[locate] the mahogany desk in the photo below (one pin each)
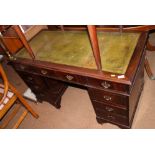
(114, 91)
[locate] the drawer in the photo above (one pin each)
(36, 83)
(70, 77)
(37, 88)
(108, 97)
(101, 84)
(110, 109)
(112, 117)
(51, 73)
(55, 86)
(20, 67)
(35, 70)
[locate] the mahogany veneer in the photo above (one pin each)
(114, 97)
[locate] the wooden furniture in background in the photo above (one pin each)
(151, 48)
(32, 30)
(23, 40)
(9, 96)
(10, 39)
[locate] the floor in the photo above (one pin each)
(77, 111)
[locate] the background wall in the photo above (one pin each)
(31, 30)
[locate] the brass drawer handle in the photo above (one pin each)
(105, 85)
(44, 72)
(42, 95)
(22, 67)
(111, 117)
(107, 98)
(69, 77)
(109, 109)
(36, 87)
(30, 78)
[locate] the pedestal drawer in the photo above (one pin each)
(114, 118)
(109, 109)
(55, 86)
(108, 97)
(36, 83)
(102, 84)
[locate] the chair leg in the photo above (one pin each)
(20, 119)
(9, 118)
(148, 70)
(150, 47)
(23, 101)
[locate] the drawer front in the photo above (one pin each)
(110, 109)
(51, 73)
(108, 97)
(20, 67)
(70, 77)
(55, 86)
(36, 83)
(101, 84)
(112, 117)
(66, 77)
(35, 70)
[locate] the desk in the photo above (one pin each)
(114, 91)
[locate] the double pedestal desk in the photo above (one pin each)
(64, 58)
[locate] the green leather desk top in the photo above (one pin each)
(73, 48)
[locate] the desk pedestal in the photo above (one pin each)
(117, 107)
(45, 89)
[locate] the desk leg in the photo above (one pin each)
(100, 121)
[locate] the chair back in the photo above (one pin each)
(4, 85)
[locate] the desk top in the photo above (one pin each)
(73, 48)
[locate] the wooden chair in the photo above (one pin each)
(9, 96)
